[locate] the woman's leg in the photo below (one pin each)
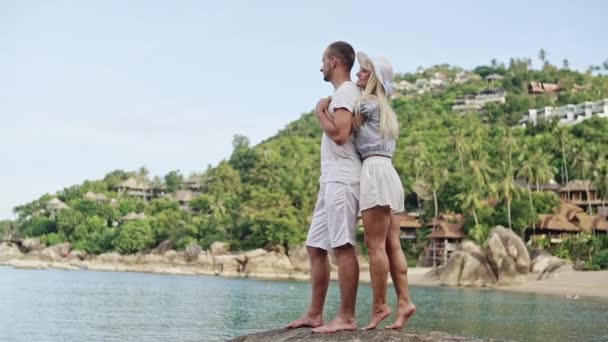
(376, 222)
(398, 270)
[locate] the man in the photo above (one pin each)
(335, 217)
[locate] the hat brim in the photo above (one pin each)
(363, 60)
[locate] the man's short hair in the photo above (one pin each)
(344, 52)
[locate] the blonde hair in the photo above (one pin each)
(374, 91)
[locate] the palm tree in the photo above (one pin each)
(481, 170)
(526, 171)
(419, 155)
(544, 172)
(508, 144)
(470, 199)
(542, 55)
(600, 181)
(583, 162)
(506, 189)
(562, 137)
(142, 177)
(434, 175)
(461, 146)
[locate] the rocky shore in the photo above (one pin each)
(219, 261)
(379, 335)
(502, 263)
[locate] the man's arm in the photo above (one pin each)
(337, 129)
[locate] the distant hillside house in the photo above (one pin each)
(409, 225)
(438, 80)
(479, 100)
(493, 78)
(447, 233)
(184, 197)
(576, 192)
(465, 76)
(137, 188)
(55, 205)
(570, 219)
(404, 86)
(193, 183)
(567, 115)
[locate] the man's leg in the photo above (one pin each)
(376, 222)
(398, 269)
(319, 279)
(317, 243)
(348, 278)
(342, 204)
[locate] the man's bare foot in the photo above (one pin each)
(338, 324)
(377, 317)
(403, 315)
(306, 321)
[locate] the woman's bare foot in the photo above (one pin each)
(338, 324)
(377, 317)
(403, 315)
(306, 321)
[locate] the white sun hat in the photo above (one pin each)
(383, 70)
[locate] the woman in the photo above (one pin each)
(376, 131)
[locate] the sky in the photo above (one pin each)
(87, 87)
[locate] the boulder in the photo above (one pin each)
(162, 247)
(269, 263)
(219, 248)
(63, 249)
(9, 251)
(504, 260)
(452, 270)
(205, 260)
(48, 254)
(77, 255)
(508, 256)
(543, 261)
(32, 244)
(229, 264)
(477, 274)
(468, 266)
(192, 251)
(299, 258)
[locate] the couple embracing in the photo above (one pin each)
(357, 176)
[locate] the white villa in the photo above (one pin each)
(567, 115)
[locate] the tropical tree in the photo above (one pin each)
(434, 175)
(142, 177)
(527, 173)
(505, 189)
(470, 199)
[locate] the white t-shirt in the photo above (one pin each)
(341, 163)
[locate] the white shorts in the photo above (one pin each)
(334, 221)
(381, 185)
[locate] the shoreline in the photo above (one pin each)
(567, 283)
